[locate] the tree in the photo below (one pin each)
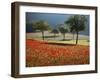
(42, 26)
(72, 31)
(63, 30)
(55, 31)
(77, 23)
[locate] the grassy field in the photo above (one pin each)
(83, 39)
(80, 42)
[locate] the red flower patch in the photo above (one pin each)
(40, 53)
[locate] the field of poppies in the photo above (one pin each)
(42, 53)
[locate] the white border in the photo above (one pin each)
(53, 69)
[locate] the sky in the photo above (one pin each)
(52, 19)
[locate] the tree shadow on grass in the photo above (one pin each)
(66, 40)
(61, 44)
(51, 36)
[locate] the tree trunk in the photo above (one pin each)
(76, 37)
(43, 35)
(73, 36)
(54, 35)
(63, 36)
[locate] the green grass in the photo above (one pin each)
(58, 39)
(80, 42)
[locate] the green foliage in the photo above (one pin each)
(77, 23)
(41, 25)
(62, 29)
(55, 31)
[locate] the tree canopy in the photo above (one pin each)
(55, 31)
(77, 23)
(41, 25)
